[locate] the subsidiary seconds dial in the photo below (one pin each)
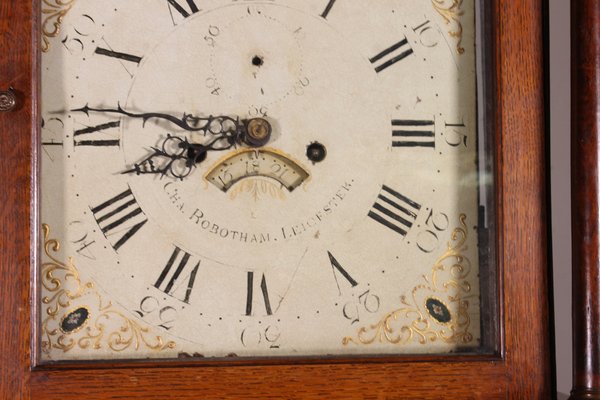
(249, 67)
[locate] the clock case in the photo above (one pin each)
(515, 358)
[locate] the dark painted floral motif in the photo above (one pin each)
(66, 325)
(438, 310)
(74, 320)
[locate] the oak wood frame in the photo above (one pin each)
(520, 370)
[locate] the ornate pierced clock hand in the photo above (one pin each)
(254, 132)
(178, 157)
(214, 125)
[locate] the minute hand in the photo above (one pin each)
(199, 124)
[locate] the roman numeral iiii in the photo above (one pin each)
(120, 217)
(395, 211)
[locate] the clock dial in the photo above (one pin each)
(260, 178)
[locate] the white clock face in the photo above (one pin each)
(350, 228)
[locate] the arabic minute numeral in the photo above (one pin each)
(151, 310)
(366, 302)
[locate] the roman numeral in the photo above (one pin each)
(185, 13)
(328, 8)
(413, 133)
(250, 294)
(89, 131)
(392, 55)
(120, 216)
(170, 286)
(120, 56)
(335, 265)
(395, 211)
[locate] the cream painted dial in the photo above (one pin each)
(350, 228)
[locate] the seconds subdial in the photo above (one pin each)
(264, 69)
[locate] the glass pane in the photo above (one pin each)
(264, 178)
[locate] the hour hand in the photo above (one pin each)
(170, 158)
(177, 157)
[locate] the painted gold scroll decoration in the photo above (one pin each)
(69, 321)
(451, 11)
(53, 13)
(436, 310)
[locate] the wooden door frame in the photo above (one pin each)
(520, 370)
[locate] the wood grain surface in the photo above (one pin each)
(17, 66)
(520, 371)
(585, 140)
